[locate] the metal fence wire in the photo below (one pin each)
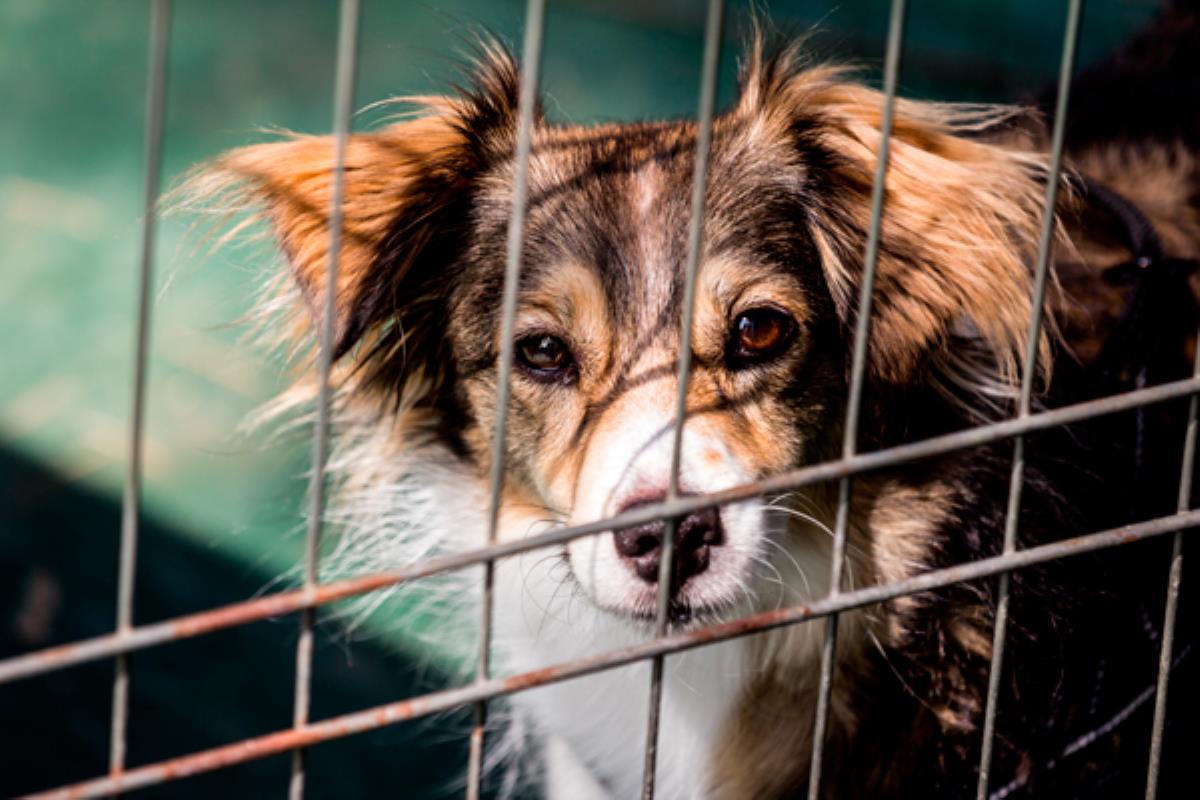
(128, 638)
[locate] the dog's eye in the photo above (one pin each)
(545, 357)
(759, 335)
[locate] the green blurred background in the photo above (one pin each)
(222, 506)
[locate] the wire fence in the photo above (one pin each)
(306, 600)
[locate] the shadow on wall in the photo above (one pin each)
(58, 584)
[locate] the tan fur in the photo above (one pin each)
(960, 224)
(1159, 180)
(291, 183)
(766, 746)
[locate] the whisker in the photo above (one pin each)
(792, 560)
(777, 580)
(851, 548)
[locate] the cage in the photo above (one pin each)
(949, 51)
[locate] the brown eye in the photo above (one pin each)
(759, 335)
(545, 357)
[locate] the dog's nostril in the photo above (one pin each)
(695, 535)
(639, 541)
(700, 528)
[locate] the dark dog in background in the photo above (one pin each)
(417, 301)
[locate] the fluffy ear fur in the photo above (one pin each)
(406, 193)
(386, 172)
(961, 220)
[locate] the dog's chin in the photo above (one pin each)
(704, 600)
(682, 613)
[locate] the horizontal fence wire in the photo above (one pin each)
(531, 59)
(262, 608)
(343, 102)
(1029, 375)
(156, 102)
(695, 242)
(128, 638)
(448, 699)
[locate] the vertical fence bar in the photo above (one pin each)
(531, 59)
(862, 330)
(1174, 580)
(343, 100)
(156, 101)
(1028, 376)
(713, 24)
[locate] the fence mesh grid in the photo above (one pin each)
(128, 638)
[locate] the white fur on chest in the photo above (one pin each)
(397, 510)
(601, 719)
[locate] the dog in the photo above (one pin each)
(417, 306)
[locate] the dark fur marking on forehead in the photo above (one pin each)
(755, 217)
(622, 364)
(598, 226)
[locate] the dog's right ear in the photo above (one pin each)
(404, 194)
(400, 172)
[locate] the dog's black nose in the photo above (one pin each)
(695, 536)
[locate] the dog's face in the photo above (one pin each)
(597, 340)
(599, 308)
(597, 346)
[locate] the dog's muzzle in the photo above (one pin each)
(695, 536)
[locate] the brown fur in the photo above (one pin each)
(960, 221)
(425, 211)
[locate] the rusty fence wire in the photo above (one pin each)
(343, 101)
(156, 104)
(307, 600)
(1029, 369)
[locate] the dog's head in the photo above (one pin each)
(597, 335)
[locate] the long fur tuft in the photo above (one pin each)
(961, 223)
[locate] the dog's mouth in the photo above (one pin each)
(618, 572)
(680, 614)
(704, 585)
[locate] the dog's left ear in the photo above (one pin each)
(407, 194)
(961, 215)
